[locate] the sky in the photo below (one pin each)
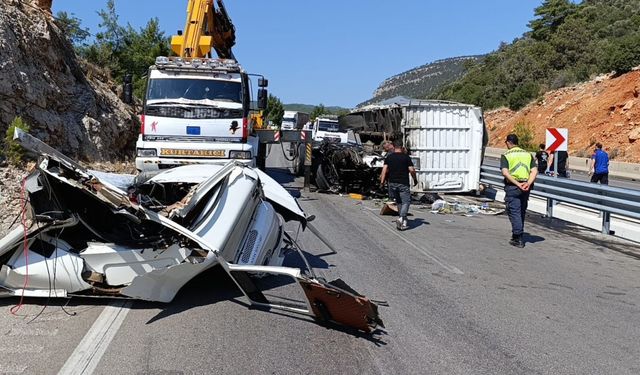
(337, 52)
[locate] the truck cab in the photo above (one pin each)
(328, 128)
(195, 111)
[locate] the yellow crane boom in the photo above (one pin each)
(208, 27)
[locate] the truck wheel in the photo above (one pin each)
(321, 181)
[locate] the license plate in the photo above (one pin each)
(192, 153)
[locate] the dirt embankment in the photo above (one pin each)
(605, 110)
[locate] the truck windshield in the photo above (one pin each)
(328, 126)
(289, 120)
(194, 89)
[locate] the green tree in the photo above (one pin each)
(623, 55)
(274, 111)
(15, 152)
(522, 95)
(72, 28)
(123, 49)
(550, 15)
(569, 42)
(318, 111)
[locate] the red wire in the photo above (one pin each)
(25, 243)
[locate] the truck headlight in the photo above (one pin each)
(239, 154)
(147, 152)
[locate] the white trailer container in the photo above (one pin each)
(446, 142)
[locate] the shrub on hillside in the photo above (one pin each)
(13, 151)
(524, 131)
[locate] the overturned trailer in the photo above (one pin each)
(82, 235)
(445, 140)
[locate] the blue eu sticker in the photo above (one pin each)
(193, 130)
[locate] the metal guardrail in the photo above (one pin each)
(606, 199)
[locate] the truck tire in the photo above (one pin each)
(321, 181)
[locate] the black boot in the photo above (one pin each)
(521, 241)
(516, 240)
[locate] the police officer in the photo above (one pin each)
(519, 171)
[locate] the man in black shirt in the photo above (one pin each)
(541, 158)
(396, 170)
(562, 156)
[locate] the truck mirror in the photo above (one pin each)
(127, 90)
(262, 99)
(263, 82)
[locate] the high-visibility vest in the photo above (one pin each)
(519, 163)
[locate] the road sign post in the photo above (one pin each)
(557, 139)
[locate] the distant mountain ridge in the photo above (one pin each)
(308, 108)
(423, 81)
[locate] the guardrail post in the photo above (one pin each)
(550, 204)
(606, 223)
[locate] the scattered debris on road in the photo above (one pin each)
(83, 234)
(442, 206)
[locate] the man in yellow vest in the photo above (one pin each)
(519, 171)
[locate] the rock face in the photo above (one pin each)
(42, 81)
(605, 110)
(10, 197)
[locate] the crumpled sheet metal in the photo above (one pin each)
(183, 253)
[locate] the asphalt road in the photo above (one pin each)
(581, 176)
(461, 301)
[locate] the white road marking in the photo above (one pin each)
(12, 369)
(21, 331)
(87, 355)
(21, 348)
(431, 256)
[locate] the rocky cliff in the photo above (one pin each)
(68, 104)
(605, 110)
(423, 81)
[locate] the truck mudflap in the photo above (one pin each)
(327, 302)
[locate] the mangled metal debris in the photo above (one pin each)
(346, 167)
(83, 236)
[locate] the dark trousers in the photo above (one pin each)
(603, 178)
(401, 194)
(516, 201)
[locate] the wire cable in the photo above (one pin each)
(25, 246)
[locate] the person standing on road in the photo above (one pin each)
(519, 171)
(599, 166)
(563, 163)
(396, 170)
(541, 158)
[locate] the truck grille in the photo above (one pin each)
(248, 246)
(197, 113)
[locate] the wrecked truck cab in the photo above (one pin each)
(150, 240)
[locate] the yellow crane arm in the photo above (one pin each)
(208, 27)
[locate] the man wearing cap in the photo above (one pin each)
(519, 171)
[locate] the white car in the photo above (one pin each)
(86, 236)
